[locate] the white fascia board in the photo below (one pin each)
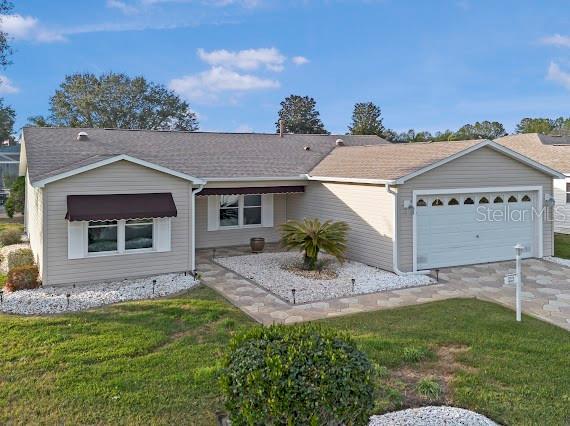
(111, 160)
(352, 180)
(485, 143)
(257, 178)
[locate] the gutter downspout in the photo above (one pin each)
(193, 213)
(395, 239)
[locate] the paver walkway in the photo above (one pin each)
(546, 292)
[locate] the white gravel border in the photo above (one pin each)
(266, 270)
(53, 300)
(558, 260)
(432, 416)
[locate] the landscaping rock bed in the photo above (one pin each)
(53, 300)
(432, 416)
(273, 272)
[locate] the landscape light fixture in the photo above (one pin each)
(293, 291)
(68, 296)
(353, 281)
(153, 285)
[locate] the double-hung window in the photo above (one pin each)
(102, 237)
(567, 193)
(251, 210)
(139, 234)
(240, 211)
(124, 236)
(229, 210)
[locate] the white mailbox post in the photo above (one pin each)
(518, 250)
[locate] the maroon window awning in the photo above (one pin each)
(252, 190)
(120, 206)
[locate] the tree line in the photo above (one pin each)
(114, 100)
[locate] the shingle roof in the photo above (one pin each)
(51, 151)
(552, 151)
(389, 161)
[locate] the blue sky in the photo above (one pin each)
(429, 64)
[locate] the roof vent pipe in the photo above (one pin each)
(339, 142)
(281, 128)
(82, 136)
(307, 148)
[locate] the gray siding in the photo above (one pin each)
(117, 178)
(368, 210)
(34, 222)
(562, 215)
(236, 237)
(482, 168)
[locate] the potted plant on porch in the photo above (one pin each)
(257, 244)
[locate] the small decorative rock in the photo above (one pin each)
(54, 300)
(432, 416)
(272, 271)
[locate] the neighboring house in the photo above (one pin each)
(104, 204)
(553, 151)
(9, 165)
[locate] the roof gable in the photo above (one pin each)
(401, 162)
(101, 161)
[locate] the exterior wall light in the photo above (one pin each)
(408, 205)
(549, 201)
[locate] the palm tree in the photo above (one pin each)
(311, 237)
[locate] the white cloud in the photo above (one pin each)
(28, 28)
(300, 60)
(127, 9)
(6, 86)
(556, 40)
(250, 59)
(208, 85)
(558, 76)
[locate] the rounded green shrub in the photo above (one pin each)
(20, 257)
(10, 236)
(23, 278)
(301, 375)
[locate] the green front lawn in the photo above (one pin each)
(156, 361)
(6, 224)
(562, 245)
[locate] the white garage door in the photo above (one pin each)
(463, 229)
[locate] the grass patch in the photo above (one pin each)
(157, 362)
(135, 363)
(5, 226)
(562, 245)
(514, 373)
(429, 388)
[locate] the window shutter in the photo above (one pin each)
(213, 213)
(163, 234)
(76, 240)
(267, 210)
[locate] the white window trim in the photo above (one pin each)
(121, 251)
(241, 207)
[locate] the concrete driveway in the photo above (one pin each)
(546, 291)
(546, 287)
